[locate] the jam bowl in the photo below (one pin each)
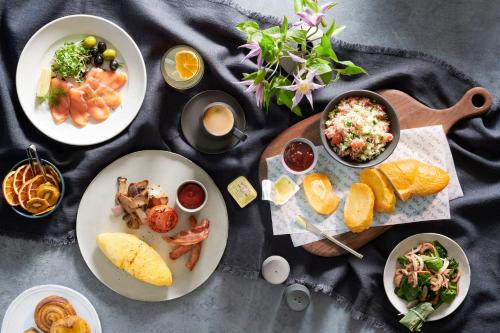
(299, 156)
(191, 196)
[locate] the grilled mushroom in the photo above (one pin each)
(137, 188)
(132, 221)
(122, 187)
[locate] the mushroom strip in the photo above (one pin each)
(427, 246)
(457, 275)
(446, 262)
(436, 282)
(399, 275)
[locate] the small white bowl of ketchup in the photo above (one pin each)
(191, 196)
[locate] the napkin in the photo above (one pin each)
(426, 144)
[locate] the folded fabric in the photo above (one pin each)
(157, 25)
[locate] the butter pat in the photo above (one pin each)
(242, 191)
(280, 191)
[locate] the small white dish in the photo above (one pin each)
(38, 53)
(454, 251)
(191, 210)
(20, 313)
(271, 193)
(315, 158)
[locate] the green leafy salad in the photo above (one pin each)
(70, 60)
(426, 277)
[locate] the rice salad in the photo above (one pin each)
(359, 128)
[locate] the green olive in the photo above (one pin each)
(109, 54)
(89, 42)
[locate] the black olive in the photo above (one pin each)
(101, 47)
(93, 52)
(113, 65)
(98, 60)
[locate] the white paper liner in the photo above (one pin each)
(426, 144)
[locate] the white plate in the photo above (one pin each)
(20, 313)
(167, 170)
(454, 251)
(38, 53)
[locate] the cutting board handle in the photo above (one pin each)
(475, 101)
(413, 113)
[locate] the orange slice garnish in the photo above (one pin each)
(52, 171)
(37, 181)
(187, 64)
(18, 178)
(33, 187)
(28, 174)
(37, 206)
(8, 189)
(24, 192)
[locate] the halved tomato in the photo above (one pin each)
(162, 218)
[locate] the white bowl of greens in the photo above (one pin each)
(442, 271)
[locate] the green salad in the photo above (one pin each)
(426, 277)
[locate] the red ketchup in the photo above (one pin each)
(191, 195)
(298, 156)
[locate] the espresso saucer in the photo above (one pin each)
(191, 123)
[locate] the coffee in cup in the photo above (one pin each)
(218, 121)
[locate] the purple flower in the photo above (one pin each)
(255, 51)
(296, 58)
(303, 87)
(258, 89)
(312, 19)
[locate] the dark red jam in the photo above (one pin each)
(298, 156)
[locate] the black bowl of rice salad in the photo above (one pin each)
(359, 128)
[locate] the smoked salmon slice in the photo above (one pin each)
(60, 101)
(115, 80)
(78, 107)
(110, 96)
(96, 106)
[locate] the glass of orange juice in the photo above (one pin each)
(182, 67)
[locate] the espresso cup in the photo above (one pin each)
(218, 122)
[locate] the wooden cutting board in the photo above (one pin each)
(412, 113)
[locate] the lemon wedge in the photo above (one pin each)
(42, 89)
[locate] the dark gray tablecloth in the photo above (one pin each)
(208, 26)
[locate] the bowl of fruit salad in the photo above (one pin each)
(359, 128)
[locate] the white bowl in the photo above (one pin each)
(315, 159)
(193, 210)
(454, 251)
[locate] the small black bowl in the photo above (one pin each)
(62, 188)
(394, 128)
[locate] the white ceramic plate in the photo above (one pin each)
(38, 53)
(167, 170)
(20, 313)
(454, 251)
